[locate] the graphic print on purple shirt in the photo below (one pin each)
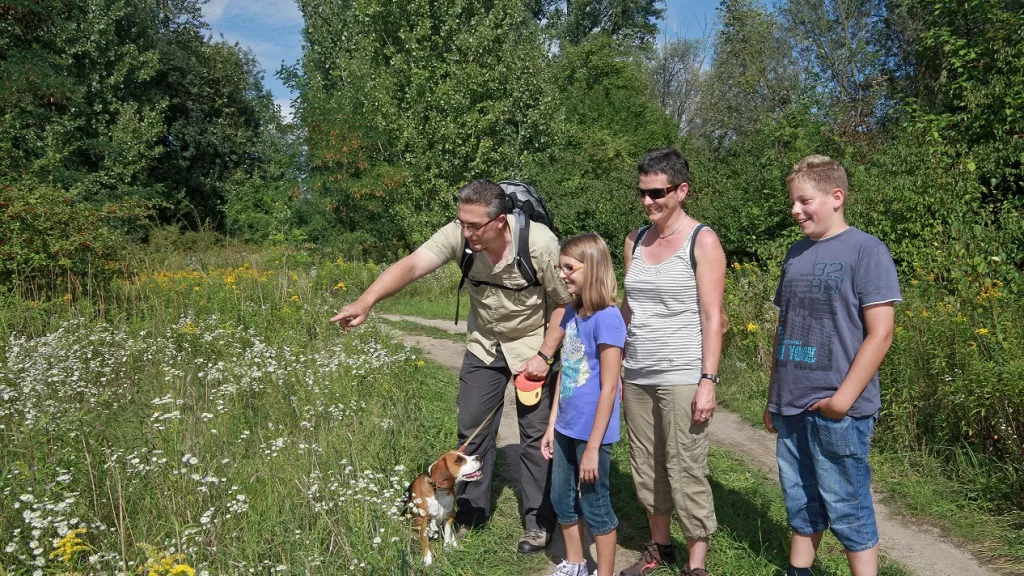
(581, 371)
(824, 287)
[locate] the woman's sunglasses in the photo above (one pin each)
(656, 193)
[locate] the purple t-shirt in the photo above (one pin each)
(581, 371)
(824, 288)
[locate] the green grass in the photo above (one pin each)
(431, 297)
(418, 329)
(145, 411)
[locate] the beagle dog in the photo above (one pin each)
(430, 499)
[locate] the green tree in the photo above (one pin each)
(631, 23)
(406, 101)
(753, 75)
(121, 103)
(841, 46)
(679, 80)
(606, 120)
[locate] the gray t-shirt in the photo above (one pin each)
(824, 287)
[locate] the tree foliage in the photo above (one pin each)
(123, 103)
(606, 121)
(753, 76)
(631, 23)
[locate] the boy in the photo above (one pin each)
(836, 302)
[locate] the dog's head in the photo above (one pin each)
(452, 467)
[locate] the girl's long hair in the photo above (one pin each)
(598, 288)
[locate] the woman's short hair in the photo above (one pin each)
(485, 193)
(667, 161)
(599, 289)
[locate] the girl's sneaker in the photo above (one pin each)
(567, 568)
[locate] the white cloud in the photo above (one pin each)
(213, 10)
(285, 105)
(267, 12)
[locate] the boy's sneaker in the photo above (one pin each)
(567, 568)
(655, 556)
(687, 571)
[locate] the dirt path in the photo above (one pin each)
(923, 550)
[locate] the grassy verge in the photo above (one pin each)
(205, 414)
(418, 329)
(209, 418)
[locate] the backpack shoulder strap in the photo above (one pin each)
(465, 264)
(640, 233)
(693, 246)
(524, 263)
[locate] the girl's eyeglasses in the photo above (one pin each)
(567, 270)
(656, 193)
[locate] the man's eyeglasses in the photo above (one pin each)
(656, 193)
(474, 228)
(567, 270)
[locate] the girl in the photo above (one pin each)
(585, 410)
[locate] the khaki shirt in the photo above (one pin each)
(513, 320)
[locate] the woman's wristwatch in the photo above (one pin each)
(712, 377)
(549, 360)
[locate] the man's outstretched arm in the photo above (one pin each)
(390, 282)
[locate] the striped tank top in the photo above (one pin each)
(663, 343)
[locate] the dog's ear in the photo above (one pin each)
(441, 475)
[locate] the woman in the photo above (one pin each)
(675, 279)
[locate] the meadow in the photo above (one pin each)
(203, 417)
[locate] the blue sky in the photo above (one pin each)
(272, 29)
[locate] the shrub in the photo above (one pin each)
(49, 242)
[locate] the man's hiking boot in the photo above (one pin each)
(687, 571)
(654, 556)
(534, 541)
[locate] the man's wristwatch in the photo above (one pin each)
(712, 377)
(549, 360)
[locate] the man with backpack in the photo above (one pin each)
(509, 256)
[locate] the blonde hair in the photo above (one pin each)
(821, 172)
(598, 288)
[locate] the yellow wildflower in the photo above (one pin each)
(295, 298)
(420, 363)
(340, 285)
(189, 328)
(924, 314)
(981, 331)
(196, 288)
(736, 265)
(751, 327)
(339, 261)
(69, 544)
(67, 297)
(164, 565)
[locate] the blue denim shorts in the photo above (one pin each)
(825, 476)
(592, 501)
